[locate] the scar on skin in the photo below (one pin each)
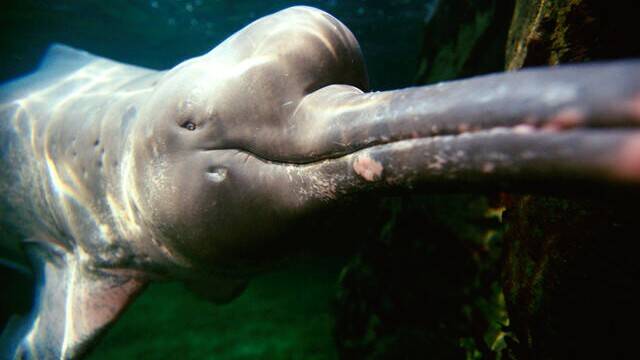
(367, 168)
(629, 159)
(564, 119)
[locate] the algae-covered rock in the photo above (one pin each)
(562, 31)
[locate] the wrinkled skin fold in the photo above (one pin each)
(119, 175)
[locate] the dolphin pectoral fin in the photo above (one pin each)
(73, 306)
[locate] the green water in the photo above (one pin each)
(282, 315)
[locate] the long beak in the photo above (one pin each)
(550, 130)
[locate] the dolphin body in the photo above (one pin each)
(115, 175)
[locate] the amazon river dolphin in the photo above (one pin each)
(115, 175)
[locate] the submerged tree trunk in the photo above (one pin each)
(570, 263)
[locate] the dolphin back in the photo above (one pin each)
(58, 62)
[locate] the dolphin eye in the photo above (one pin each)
(189, 125)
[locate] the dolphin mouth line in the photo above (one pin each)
(522, 129)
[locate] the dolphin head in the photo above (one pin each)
(236, 145)
(216, 128)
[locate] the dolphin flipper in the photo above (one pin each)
(73, 306)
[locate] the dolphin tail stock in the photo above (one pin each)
(72, 308)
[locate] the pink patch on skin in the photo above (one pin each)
(565, 119)
(367, 168)
(629, 159)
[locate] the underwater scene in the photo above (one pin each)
(328, 179)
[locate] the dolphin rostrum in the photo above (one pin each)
(116, 175)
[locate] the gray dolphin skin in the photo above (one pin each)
(115, 175)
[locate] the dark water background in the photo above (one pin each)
(285, 314)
